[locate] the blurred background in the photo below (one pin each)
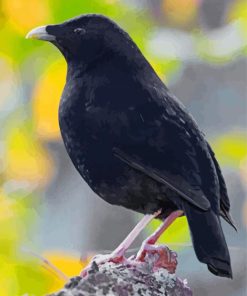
(198, 48)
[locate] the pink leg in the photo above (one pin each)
(168, 221)
(118, 254)
(134, 233)
(151, 240)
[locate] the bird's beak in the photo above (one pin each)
(40, 33)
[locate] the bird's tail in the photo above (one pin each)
(209, 241)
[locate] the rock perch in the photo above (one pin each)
(146, 278)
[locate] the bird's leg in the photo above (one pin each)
(120, 250)
(117, 256)
(152, 239)
(167, 258)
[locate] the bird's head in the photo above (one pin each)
(85, 38)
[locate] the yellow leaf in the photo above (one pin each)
(25, 159)
(69, 264)
(46, 99)
(238, 10)
(177, 233)
(8, 283)
(23, 15)
(230, 149)
(180, 11)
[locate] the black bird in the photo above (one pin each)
(131, 139)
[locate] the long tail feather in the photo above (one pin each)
(209, 241)
(227, 216)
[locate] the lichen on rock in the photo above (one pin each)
(127, 279)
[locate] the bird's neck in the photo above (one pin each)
(78, 67)
(75, 69)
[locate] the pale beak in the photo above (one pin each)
(40, 33)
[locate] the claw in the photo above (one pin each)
(166, 258)
(101, 259)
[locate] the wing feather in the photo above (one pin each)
(195, 197)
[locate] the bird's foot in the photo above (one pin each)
(150, 255)
(117, 258)
(161, 256)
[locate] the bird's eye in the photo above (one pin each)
(80, 31)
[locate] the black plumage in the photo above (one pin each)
(132, 141)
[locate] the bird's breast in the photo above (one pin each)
(87, 141)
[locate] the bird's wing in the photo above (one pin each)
(193, 196)
(170, 149)
(224, 198)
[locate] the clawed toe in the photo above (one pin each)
(162, 256)
(151, 255)
(154, 256)
(101, 259)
